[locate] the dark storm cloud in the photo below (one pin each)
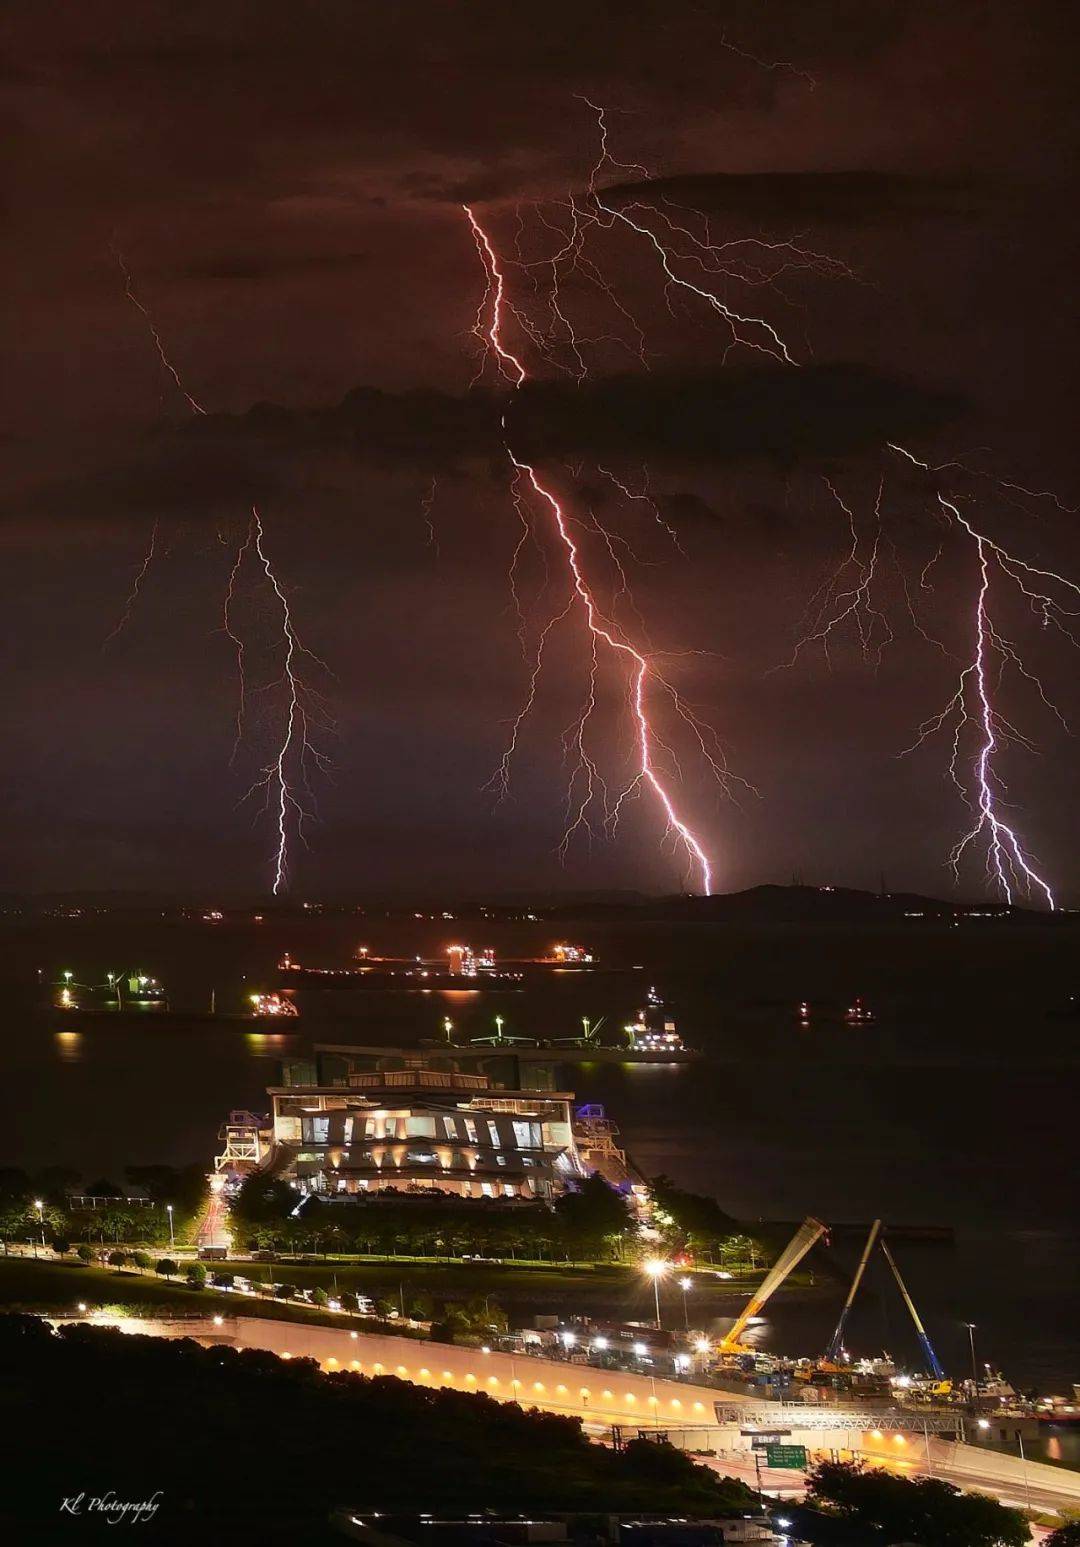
(204, 468)
(274, 266)
(281, 179)
(792, 199)
(741, 414)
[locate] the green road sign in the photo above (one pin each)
(792, 1457)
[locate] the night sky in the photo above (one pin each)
(284, 184)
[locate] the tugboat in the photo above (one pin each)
(271, 1005)
(653, 1036)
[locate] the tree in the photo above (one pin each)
(689, 1219)
(285, 1291)
(924, 1510)
(61, 1245)
(224, 1280)
(195, 1274)
(103, 1188)
(55, 1182)
(263, 1200)
(84, 1253)
(166, 1268)
(1065, 1536)
(141, 1260)
(117, 1260)
(593, 1217)
(14, 1184)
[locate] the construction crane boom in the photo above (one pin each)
(932, 1360)
(836, 1342)
(810, 1231)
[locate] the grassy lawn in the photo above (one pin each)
(598, 1289)
(612, 1290)
(56, 1287)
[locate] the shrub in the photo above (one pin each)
(85, 1253)
(195, 1274)
(166, 1268)
(141, 1259)
(117, 1259)
(223, 1280)
(285, 1291)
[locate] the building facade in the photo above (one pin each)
(360, 1121)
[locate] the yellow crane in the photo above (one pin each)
(808, 1234)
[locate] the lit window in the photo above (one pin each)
(470, 1130)
(493, 1130)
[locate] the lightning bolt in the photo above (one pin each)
(129, 291)
(642, 677)
(136, 587)
(285, 777)
(1009, 865)
(687, 259)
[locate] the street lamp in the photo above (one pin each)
(1023, 1463)
(41, 1221)
(172, 1237)
(656, 1268)
(448, 1027)
(970, 1325)
(685, 1284)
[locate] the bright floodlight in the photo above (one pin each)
(685, 1284)
(38, 1204)
(640, 1350)
(984, 1423)
(600, 1343)
(656, 1267)
(702, 1345)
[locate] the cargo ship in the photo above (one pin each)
(460, 967)
(121, 991)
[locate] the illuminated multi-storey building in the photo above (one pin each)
(358, 1121)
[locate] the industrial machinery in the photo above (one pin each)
(836, 1342)
(808, 1234)
(933, 1363)
(835, 1349)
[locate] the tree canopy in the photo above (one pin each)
(262, 1448)
(922, 1510)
